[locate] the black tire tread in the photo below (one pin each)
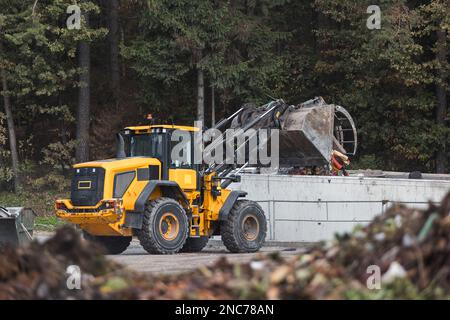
(148, 242)
(195, 244)
(111, 244)
(227, 227)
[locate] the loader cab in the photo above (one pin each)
(173, 146)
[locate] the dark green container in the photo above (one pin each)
(16, 225)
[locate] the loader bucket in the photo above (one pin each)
(16, 225)
(310, 131)
(306, 136)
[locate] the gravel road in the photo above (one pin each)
(136, 258)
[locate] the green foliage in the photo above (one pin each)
(379, 76)
(52, 181)
(59, 154)
(6, 173)
(48, 223)
(37, 52)
(38, 56)
(366, 162)
(300, 49)
(248, 50)
(233, 43)
(42, 202)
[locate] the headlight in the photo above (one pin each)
(60, 205)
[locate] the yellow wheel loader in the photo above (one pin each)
(173, 205)
(170, 206)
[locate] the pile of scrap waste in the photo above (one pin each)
(402, 254)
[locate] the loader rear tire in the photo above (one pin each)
(195, 244)
(165, 227)
(245, 228)
(111, 244)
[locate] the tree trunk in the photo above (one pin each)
(200, 96)
(114, 50)
(11, 131)
(213, 107)
(83, 112)
(441, 156)
(122, 41)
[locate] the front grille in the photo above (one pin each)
(87, 186)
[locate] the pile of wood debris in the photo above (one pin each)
(402, 254)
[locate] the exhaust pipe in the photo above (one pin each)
(120, 148)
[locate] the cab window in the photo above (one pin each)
(146, 145)
(181, 151)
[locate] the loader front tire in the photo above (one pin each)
(165, 227)
(111, 244)
(195, 244)
(245, 227)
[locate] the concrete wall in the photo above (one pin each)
(314, 208)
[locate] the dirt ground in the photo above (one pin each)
(136, 258)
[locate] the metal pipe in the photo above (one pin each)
(226, 120)
(271, 107)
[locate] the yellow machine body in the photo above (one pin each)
(108, 216)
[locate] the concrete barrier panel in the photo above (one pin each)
(353, 211)
(314, 208)
(312, 211)
(309, 231)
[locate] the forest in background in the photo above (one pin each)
(66, 92)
